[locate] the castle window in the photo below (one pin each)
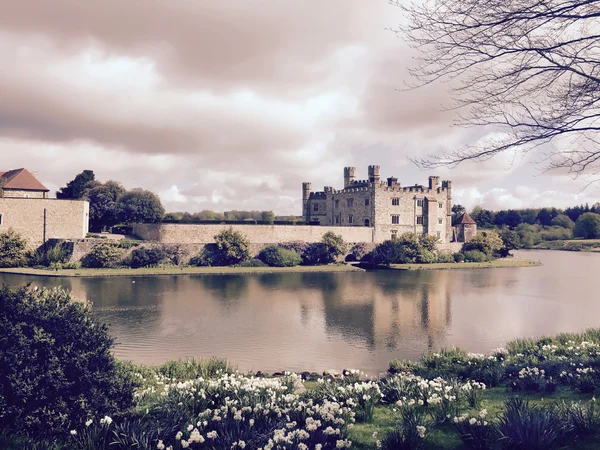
(439, 234)
(316, 207)
(419, 220)
(419, 202)
(350, 218)
(350, 202)
(395, 201)
(441, 205)
(395, 219)
(366, 202)
(1, 218)
(337, 220)
(337, 204)
(394, 234)
(367, 223)
(440, 221)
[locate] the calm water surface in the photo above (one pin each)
(317, 321)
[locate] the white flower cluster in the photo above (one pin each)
(532, 372)
(479, 420)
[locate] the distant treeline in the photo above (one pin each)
(512, 218)
(235, 216)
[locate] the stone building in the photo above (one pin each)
(21, 183)
(385, 206)
(26, 208)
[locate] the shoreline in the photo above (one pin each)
(153, 271)
(161, 271)
(496, 264)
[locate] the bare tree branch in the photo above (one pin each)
(528, 69)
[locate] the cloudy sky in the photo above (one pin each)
(232, 105)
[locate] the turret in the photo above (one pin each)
(393, 182)
(434, 182)
(374, 174)
(306, 190)
(349, 175)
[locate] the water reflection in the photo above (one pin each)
(314, 321)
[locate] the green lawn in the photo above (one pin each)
(175, 270)
(467, 265)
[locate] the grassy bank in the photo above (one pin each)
(576, 245)
(174, 270)
(497, 263)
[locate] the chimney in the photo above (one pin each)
(34, 173)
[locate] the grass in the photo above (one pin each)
(575, 245)
(445, 437)
(497, 263)
(174, 270)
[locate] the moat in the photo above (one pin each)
(317, 321)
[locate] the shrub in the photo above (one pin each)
(526, 427)
(254, 262)
(425, 257)
(557, 233)
(146, 257)
(232, 247)
(298, 246)
(563, 221)
(359, 251)
(279, 257)
(56, 365)
(103, 255)
(488, 242)
(445, 258)
(390, 252)
(316, 253)
(52, 255)
(206, 257)
(13, 249)
(458, 257)
(409, 435)
(583, 419)
(475, 256)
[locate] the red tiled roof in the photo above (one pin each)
(21, 179)
(466, 219)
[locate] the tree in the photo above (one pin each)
(588, 226)
(544, 217)
(267, 216)
(487, 242)
(510, 240)
(484, 217)
(139, 206)
(77, 188)
(457, 212)
(527, 69)
(563, 221)
(334, 245)
(13, 249)
(103, 200)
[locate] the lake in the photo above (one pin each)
(318, 321)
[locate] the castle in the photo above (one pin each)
(387, 207)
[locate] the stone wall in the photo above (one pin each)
(65, 219)
(257, 234)
(19, 193)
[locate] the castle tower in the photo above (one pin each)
(448, 186)
(306, 190)
(374, 174)
(349, 175)
(434, 182)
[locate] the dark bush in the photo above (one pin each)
(207, 257)
(56, 365)
(254, 262)
(359, 251)
(13, 249)
(147, 257)
(315, 254)
(279, 257)
(52, 254)
(103, 255)
(458, 257)
(390, 252)
(475, 256)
